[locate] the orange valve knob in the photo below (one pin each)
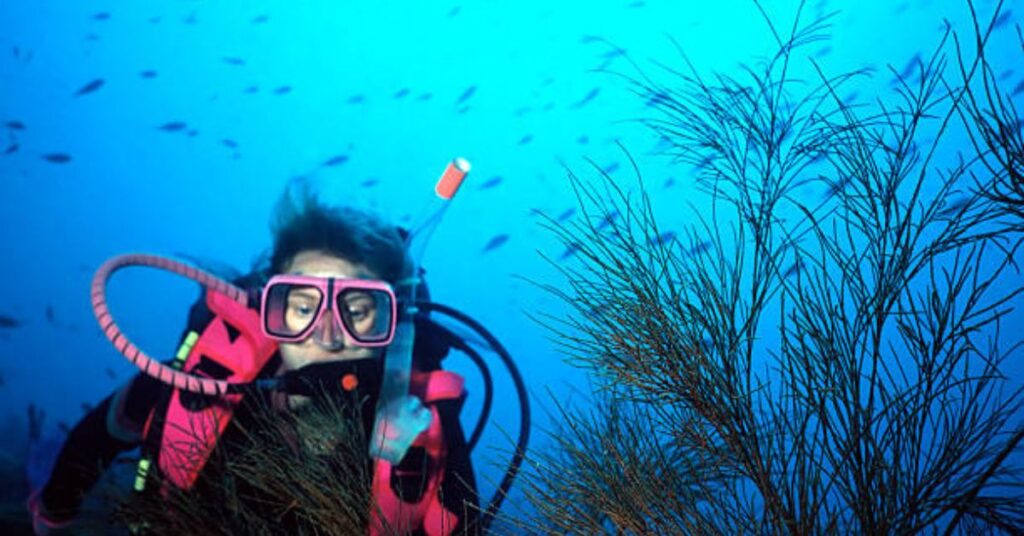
(452, 178)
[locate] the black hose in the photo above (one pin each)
(485, 411)
(491, 511)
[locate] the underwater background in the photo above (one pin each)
(173, 128)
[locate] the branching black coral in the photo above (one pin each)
(840, 371)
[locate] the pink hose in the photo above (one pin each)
(145, 363)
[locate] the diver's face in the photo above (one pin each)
(329, 343)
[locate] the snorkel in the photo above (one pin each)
(401, 417)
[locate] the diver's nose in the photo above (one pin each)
(328, 334)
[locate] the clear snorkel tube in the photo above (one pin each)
(401, 417)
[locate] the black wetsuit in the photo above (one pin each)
(92, 444)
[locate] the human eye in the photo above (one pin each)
(358, 311)
(300, 307)
(359, 307)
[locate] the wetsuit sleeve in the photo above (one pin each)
(458, 490)
(85, 455)
(114, 426)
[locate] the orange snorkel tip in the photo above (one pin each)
(452, 178)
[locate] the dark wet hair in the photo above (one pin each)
(302, 223)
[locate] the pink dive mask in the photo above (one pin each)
(294, 306)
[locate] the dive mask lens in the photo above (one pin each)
(290, 309)
(367, 314)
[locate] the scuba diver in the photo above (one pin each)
(336, 316)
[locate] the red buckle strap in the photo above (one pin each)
(437, 385)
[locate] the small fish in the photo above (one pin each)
(2, 381)
(834, 187)
(102, 15)
(369, 183)
(604, 64)
(587, 98)
(86, 407)
(638, 3)
(1005, 74)
(570, 250)
(817, 157)
(148, 73)
(251, 89)
(259, 19)
(229, 143)
(796, 268)
(282, 90)
(191, 19)
(356, 99)
(566, 215)
(401, 93)
(705, 162)
(110, 373)
(173, 126)
(823, 51)
(587, 39)
(57, 158)
(608, 219)
(495, 243)
(521, 111)
(12, 148)
(525, 139)
(548, 107)
(89, 88)
(491, 183)
(462, 110)
(455, 11)
(425, 96)
(1018, 89)
(50, 317)
(658, 97)
(701, 247)
(849, 99)
(610, 168)
(24, 54)
(614, 52)
(1002, 19)
(583, 140)
(662, 239)
(15, 125)
(335, 160)
(908, 69)
(63, 427)
(466, 95)
(232, 60)
(9, 322)
(953, 207)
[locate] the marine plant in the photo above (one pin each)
(294, 472)
(797, 363)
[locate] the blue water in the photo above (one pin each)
(206, 110)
